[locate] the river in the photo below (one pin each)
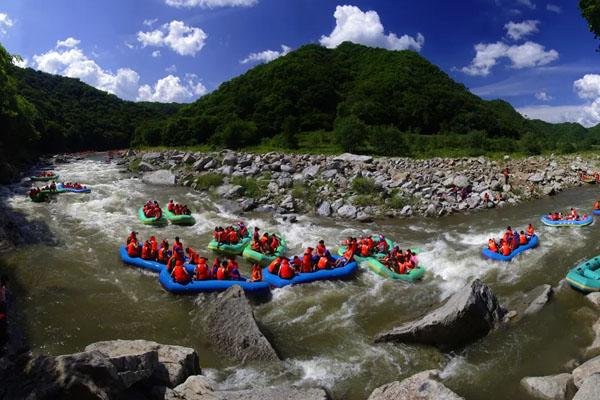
(73, 290)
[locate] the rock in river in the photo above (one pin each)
(467, 316)
(232, 326)
(553, 387)
(422, 386)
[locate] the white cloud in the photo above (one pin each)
(527, 3)
(554, 8)
(543, 96)
(354, 25)
(156, 53)
(21, 63)
(129, 45)
(150, 22)
(518, 30)
(171, 69)
(587, 115)
(125, 82)
(266, 56)
(68, 43)
(5, 22)
(588, 87)
(182, 39)
(211, 3)
(528, 54)
(170, 89)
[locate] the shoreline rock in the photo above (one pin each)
(430, 187)
(425, 385)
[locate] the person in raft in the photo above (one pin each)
(228, 235)
(399, 261)
(265, 244)
(178, 209)
(152, 209)
(510, 241)
(256, 274)
(179, 273)
(597, 205)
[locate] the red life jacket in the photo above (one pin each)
(162, 255)
(201, 271)
(132, 250)
(286, 271)
(180, 274)
(221, 273)
(233, 237)
(321, 250)
(274, 266)
(307, 262)
(323, 262)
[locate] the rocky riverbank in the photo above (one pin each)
(361, 187)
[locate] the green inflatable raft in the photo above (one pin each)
(263, 259)
(183, 219)
(44, 178)
(39, 197)
(151, 221)
(229, 249)
(586, 276)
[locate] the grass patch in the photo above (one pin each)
(365, 200)
(206, 181)
(361, 185)
(398, 202)
(252, 187)
(134, 165)
(307, 193)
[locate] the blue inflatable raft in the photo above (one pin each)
(195, 287)
(567, 222)
(596, 212)
(153, 266)
(66, 189)
(345, 272)
(534, 241)
(586, 276)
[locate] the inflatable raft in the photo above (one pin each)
(567, 222)
(590, 180)
(534, 241)
(360, 259)
(596, 212)
(229, 249)
(413, 275)
(183, 219)
(39, 197)
(153, 266)
(72, 190)
(195, 287)
(151, 221)
(345, 272)
(586, 276)
(255, 257)
(44, 178)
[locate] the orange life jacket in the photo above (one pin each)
(492, 246)
(146, 252)
(233, 237)
(256, 275)
(132, 249)
(530, 230)
(221, 273)
(505, 249)
(522, 239)
(274, 266)
(180, 274)
(306, 262)
(286, 271)
(323, 262)
(364, 250)
(321, 250)
(162, 255)
(201, 271)
(349, 254)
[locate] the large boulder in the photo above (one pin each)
(544, 295)
(553, 387)
(590, 389)
(422, 386)
(229, 191)
(585, 370)
(353, 158)
(160, 177)
(347, 211)
(467, 316)
(233, 329)
(173, 363)
(87, 375)
(324, 209)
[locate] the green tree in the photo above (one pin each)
(350, 133)
(590, 9)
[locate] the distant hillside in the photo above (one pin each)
(360, 99)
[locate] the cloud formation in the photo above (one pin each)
(543, 96)
(210, 3)
(182, 39)
(554, 8)
(518, 30)
(354, 25)
(588, 87)
(526, 55)
(5, 22)
(266, 55)
(67, 59)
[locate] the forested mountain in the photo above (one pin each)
(41, 113)
(352, 98)
(361, 99)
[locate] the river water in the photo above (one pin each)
(73, 290)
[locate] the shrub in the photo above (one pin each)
(206, 181)
(252, 187)
(362, 185)
(350, 133)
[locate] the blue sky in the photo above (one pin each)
(538, 55)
